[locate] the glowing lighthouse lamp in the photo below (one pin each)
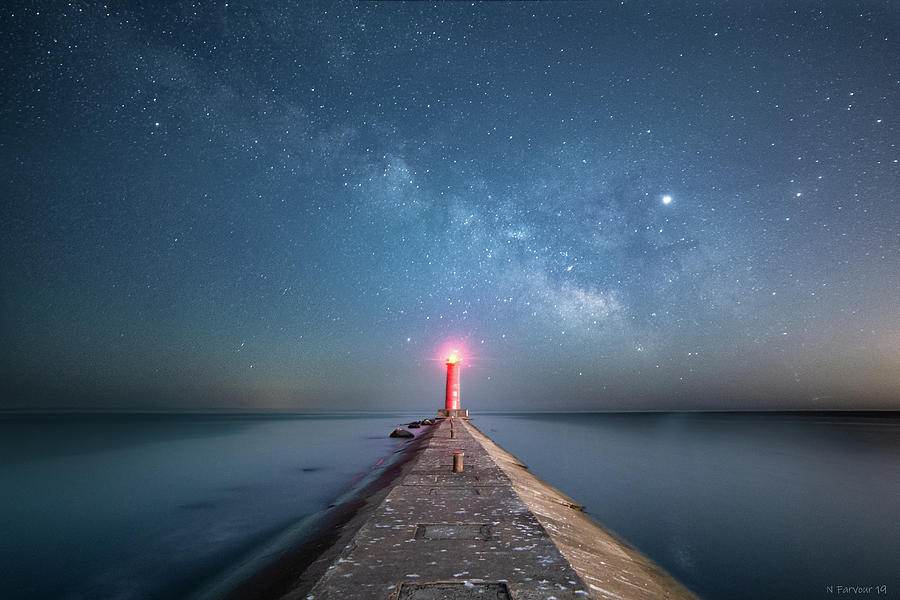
(451, 403)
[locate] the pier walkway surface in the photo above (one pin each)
(493, 531)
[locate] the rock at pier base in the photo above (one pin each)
(401, 433)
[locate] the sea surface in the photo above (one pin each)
(736, 505)
(733, 505)
(158, 506)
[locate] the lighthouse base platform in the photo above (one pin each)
(453, 412)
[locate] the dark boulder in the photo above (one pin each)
(414, 425)
(401, 433)
(427, 422)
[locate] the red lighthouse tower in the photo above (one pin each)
(451, 403)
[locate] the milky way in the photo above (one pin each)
(603, 206)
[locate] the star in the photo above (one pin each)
(667, 200)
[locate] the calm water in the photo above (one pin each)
(734, 505)
(155, 506)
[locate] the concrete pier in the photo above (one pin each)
(492, 531)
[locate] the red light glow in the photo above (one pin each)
(452, 352)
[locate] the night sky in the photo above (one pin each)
(635, 205)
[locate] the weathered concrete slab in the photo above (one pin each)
(454, 590)
(440, 534)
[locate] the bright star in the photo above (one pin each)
(667, 199)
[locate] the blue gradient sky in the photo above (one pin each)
(259, 206)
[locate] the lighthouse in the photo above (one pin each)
(451, 401)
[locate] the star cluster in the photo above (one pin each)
(608, 206)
